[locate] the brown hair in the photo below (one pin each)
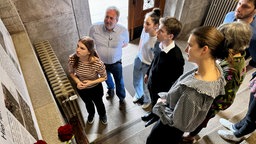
(155, 15)
(214, 39)
(89, 43)
(172, 25)
(254, 2)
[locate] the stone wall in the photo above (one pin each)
(190, 12)
(44, 106)
(61, 22)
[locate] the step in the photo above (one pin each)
(214, 138)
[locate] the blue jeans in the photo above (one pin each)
(117, 71)
(252, 51)
(247, 124)
(139, 71)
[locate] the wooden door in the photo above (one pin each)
(137, 11)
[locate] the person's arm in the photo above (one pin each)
(101, 70)
(126, 40)
(96, 81)
(79, 84)
(91, 31)
(71, 71)
(253, 86)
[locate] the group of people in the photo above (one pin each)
(181, 102)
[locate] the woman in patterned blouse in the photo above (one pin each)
(186, 104)
(237, 35)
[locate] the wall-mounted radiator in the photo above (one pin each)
(217, 11)
(62, 89)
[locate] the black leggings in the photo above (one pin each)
(164, 134)
(93, 96)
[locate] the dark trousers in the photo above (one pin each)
(93, 96)
(247, 124)
(154, 97)
(164, 134)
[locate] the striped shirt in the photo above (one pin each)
(87, 71)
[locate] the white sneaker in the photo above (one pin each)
(229, 135)
(134, 100)
(145, 105)
(227, 124)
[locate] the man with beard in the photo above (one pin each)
(245, 11)
(110, 38)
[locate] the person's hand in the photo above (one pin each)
(80, 85)
(146, 78)
(161, 100)
(124, 45)
(87, 83)
(253, 86)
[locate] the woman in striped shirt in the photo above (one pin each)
(88, 72)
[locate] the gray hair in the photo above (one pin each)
(237, 35)
(115, 9)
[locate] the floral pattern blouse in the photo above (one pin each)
(234, 75)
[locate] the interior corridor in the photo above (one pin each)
(126, 126)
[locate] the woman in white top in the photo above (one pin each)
(145, 56)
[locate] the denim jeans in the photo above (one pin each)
(139, 71)
(247, 124)
(251, 51)
(117, 71)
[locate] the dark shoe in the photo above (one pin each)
(90, 120)
(141, 101)
(104, 120)
(154, 119)
(147, 117)
(188, 139)
(122, 104)
(138, 100)
(110, 93)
